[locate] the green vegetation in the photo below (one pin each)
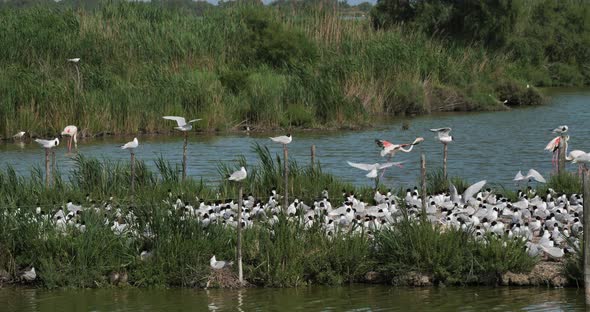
(547, 40)
(234, 65)
(451, 256)
(284, 254)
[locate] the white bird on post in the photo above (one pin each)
(285, 139)
(131, 146)
(47, 145)
(238, 176)
(185, 127)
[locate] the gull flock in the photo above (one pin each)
(549, 223)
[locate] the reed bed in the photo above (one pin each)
(233, 66)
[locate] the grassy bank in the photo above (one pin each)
(286, 253)
(267, 67)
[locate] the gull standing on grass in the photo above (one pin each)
(218, 265)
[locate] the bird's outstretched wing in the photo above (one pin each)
(194, 120)
(389, 164)
(383, 143)
(519, 176)
(444, 130)
(365, 167)
(536, 176)
(179, 120)
(454, 194)
(472, 190)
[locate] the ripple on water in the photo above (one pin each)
(353, 298)
(492, 146)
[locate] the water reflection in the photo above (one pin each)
(353, 298)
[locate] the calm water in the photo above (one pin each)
(354, 298)
(492, 146)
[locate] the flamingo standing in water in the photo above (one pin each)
(553, 146)
(573, 155)
(72, 132)
(389, 149)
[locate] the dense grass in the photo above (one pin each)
(232, 66)
(284, 254)
(449, 255)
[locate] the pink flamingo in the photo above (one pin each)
(72, 132)
(553, 146)
(389, 149)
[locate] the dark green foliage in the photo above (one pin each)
(449, 255)
(548, 39)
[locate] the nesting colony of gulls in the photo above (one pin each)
(549, 223)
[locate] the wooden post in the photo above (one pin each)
(78, 72)
(132, 171)
(52, 166)
(561, 159)
(239, 245)
(423, 180)
(586, 239)
(46, 168)
(445, 150)
(184, 156)
(313, 156)
(286, 157)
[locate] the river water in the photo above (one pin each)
(352, 298)
(491, 145)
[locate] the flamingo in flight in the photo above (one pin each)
(389, 149)
(72, 132)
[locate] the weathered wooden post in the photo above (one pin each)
(561, 159)
(423, 180)
(184, 155)
(286, 157)
(47, 168)
(313, 156)
(53, 164)
(132, 171)
(445, 154)
(239, 245)
(586, 240)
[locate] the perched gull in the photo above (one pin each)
(74, 60)
(283, 139)
(373, 168)
(217, 265)
(560, 129)
(19, 135)
(238, 176)
(443, 135)
(181, 122)
(131, 145)
(48, 143)
(29, 275)
(532, 174)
